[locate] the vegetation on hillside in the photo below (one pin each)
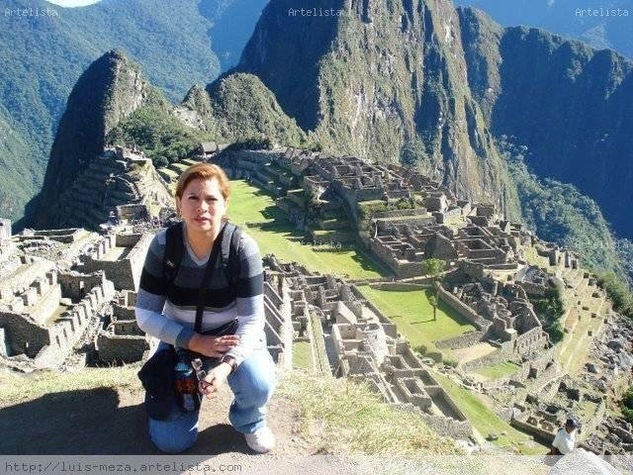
(158, 132)
(244, 108)
(619, 293)
(627, 405)
(559, 213)
(550, 310)
(348, 417)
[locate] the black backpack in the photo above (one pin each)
(229, 237)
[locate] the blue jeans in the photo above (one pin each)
(252, 384)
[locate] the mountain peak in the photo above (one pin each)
(109, 90)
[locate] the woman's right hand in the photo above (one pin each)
(213, 346)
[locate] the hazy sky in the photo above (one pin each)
(72, 3)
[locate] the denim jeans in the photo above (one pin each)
(252, 384)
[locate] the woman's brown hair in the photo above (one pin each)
(204, 171)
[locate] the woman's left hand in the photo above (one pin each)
(214, 379)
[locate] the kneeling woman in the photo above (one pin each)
(166, 309)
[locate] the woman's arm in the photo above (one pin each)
(151, 297)
(250, 299)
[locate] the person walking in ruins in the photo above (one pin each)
(565, 439)
(189, 307)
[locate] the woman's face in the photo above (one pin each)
(202, 205)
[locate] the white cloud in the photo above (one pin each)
(73, 3)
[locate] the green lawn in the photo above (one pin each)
(485, 421)
(277, 236)
(498, 370)
(411, 311)
(302, 355)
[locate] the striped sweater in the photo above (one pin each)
(171, 318)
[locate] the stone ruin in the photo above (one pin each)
(63, 288)
(612, 359)
(353, 339)
(545, 411)
(94, 278)
(120, 255)
(7, 249)
(328, 198)
(503, 314)
(44, 311)
(122, 340)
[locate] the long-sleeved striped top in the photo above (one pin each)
(172, 318)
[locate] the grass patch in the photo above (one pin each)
(302, 355)
(498, 370)
(277, 236)
(485, 421)
(17, 388)
(533, 258)
(412, 312)
(347, 417)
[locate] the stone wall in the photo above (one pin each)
(538, 433)
(464, 310)
(22, 334)
(490, 358)
(444, 426)
(398, 286)
(122, 348)
(462, 341)
(124, 273)
(388, 326)
(76, 285)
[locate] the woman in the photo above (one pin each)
(202, 196)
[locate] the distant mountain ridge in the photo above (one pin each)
(443, 86)
(600, 23)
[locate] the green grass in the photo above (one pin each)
(16, 388)
(485, 421)
(347, 417)
(277, 236)
(532, 257)
(302, 355)
(412, 312)
(498, 370)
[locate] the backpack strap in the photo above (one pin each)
(230, 253)
(174, 252)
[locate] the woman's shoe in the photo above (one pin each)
(261, 441)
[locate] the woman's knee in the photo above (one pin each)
(170, 437)
(254, 385)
